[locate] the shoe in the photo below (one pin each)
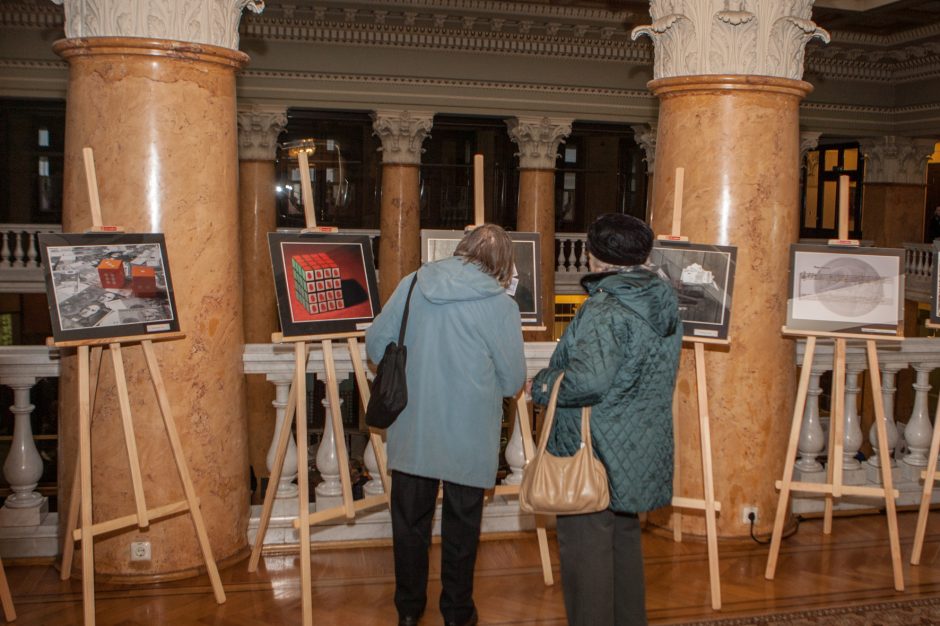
(471, 621)
(408, 620)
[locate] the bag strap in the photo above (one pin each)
(404, 315)
(550, 419)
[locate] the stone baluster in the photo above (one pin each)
(918, 432)
(560, 262)
(582, 257)
(5, 250)
(23, 466)
(18, 249)
(374, 486)
(331, 488)
(889, 372)
(32, 254)
(852, 437)
(812, 438)
(286, 489)
(515, 453)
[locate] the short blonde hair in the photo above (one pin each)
(489, 247)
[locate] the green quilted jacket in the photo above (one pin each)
(619, 355)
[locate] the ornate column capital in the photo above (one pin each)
(757, 37)
(538, 139)
(258, 129)
(402, 133)
(898, 160)
(213, 22)
(808, 141)
(645, 136)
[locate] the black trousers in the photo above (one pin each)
(413, 502)
(602, 569)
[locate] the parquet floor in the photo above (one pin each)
(354, 585)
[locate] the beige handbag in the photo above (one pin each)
(564, 485)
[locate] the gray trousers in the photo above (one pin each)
(602, 569)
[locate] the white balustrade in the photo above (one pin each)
(286, 489)
(327, 460)
(20, 268)
(812, 438)
(852, 433)
(919, 431)
(21, 367)
(889, 372)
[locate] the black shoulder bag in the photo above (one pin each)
(390, 389)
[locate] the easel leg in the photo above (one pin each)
(528, 448)
(303, 487)
(9, 612)
(790, 459)
(676, 474)
(930, 478)
(143, 521)
(183, 469)
(887, 480)
(837, 430)
(378, 446)
(708, 481)
(68, 542)
(283, 442)
(84, 451)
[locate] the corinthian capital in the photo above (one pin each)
(645, 136)
(402, 133)
(258, 128)
(213, 22)
(898, 160)
(538, 139)
(751, 37)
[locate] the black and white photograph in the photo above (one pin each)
(846, 290)
(703, 277)
(526, 251)
(107, 285)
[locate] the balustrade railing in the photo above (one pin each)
(20, 268)
(918, 270)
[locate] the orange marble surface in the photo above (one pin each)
(894, 213)
(738, 140)
(160, 117)
(256, 205)
(400, 221)
(536, 214)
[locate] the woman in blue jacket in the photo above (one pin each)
(465, 353)
(619, 355)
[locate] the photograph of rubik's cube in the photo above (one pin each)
(325, 282)
(318, 284)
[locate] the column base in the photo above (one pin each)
(29, 516)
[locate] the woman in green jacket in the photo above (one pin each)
(619, 355)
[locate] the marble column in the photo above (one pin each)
(258, 129)
(895, 189)
(151, 90)
(401, 133)
(538, 139)
(729, 88)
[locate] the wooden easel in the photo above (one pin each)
(9, 612)
(143, 515)
(522, 407)
(930, 476)
(834, 487)
(708, 504)
(297, 407)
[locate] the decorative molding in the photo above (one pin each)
(538, 140)
(760, 37)
(808, 141)
(402, 133)
(213, 22)
(258, 129)
(896, 160)
(645, 136)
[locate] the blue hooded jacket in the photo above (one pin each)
(465, 354)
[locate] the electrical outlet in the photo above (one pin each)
(746, 514)
(140, 551)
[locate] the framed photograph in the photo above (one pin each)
(846, 290)
(525, 287)
(703, 277)
(107, 285)
(325, 283)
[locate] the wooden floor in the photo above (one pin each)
(354, 585)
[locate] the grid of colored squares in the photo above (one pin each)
(317, 283)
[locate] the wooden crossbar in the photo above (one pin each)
(118, 523)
